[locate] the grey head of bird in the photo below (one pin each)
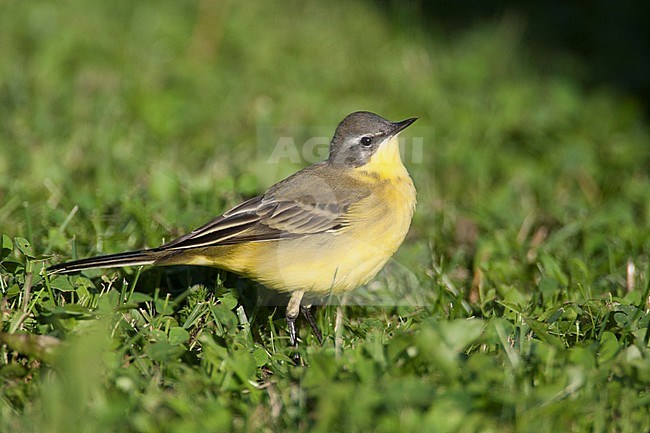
(360, 135)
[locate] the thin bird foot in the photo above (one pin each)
(293, 310)
(291, 324)
(306, 311)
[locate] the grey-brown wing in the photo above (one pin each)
(221, 229)
(302, 217)
(289, 209)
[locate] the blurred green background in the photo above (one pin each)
(124, 124)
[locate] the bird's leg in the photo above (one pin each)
(306, 311)
(293, 310)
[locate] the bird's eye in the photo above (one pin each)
(366, 141)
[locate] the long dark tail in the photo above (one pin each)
(131, 258)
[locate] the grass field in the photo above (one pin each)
(518, 302)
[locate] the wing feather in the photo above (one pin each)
(292, 208)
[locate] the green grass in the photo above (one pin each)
(125, 124)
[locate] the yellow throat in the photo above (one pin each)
(386, 163)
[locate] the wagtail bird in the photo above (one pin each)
(326, 229)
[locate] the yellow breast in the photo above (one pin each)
(334, 262)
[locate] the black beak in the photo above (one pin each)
(400, 126)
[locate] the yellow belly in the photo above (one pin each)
(327, 262)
